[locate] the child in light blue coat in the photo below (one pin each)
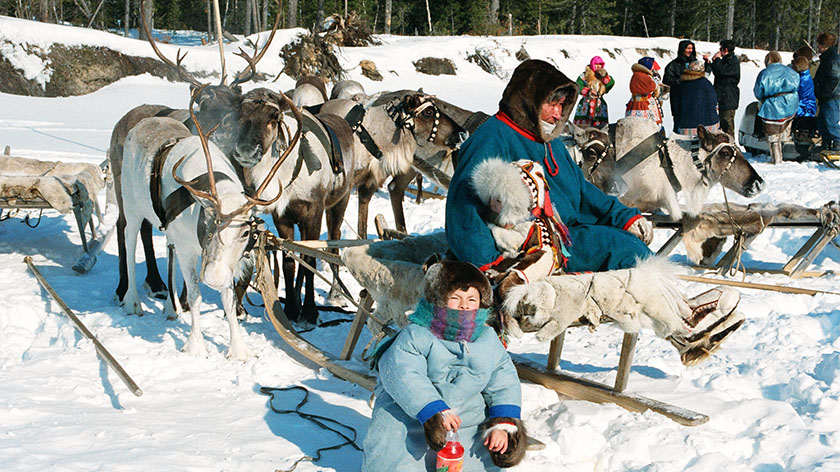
(446, 370)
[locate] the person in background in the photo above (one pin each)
(776, 88)
(447, 370)
(827, 91)
(645, 91)
(694, 102)
(805, 122)
(593, 84)
(727, 70)
(673, 71)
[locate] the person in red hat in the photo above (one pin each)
(645, 91)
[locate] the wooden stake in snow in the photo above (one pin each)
(100, 349)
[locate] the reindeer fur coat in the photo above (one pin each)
(596, 222)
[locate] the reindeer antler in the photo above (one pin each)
(165, 59)
(252, 61)
(296, 111)
(212, 195)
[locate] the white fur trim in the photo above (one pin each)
(500, 180)
(508, 428)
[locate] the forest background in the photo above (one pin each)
(761, 24)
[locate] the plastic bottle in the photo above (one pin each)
(451, 457)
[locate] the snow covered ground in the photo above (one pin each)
(772, 392)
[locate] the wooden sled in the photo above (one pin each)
(794, 268)
(23, 181)
(549, 377)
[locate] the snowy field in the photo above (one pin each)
(772, 391)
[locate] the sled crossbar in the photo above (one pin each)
(795, 268)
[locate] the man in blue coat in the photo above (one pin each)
(776, 88)
(827, 90)
(535, 105)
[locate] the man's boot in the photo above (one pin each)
(713, 318)
(776, 152)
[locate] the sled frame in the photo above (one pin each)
(794, 268)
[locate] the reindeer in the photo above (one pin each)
(349, 89)
(218, 108)
(694, 171)
(309, 91)
(165, 172)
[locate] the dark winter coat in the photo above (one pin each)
(673, 71)
(776, 88)
(596, 221)
(727, 70)
(827, 78)
(807, 100)
(694, 102)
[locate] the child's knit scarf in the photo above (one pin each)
(451, 325)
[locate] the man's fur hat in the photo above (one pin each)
(532, 84)
(827, 39)
(443, 277)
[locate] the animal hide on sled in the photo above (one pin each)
(54, 182)
(705, 234)
(641, 297)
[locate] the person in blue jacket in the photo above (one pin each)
(776, 88)
(694, 101)
(446, 370)
(604, 234)
(805, 122)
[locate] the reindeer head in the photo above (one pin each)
(726, 164)
(418, 113)
(218, 107)
(598, 159)
(260, 126)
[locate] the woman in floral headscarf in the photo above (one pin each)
(645, 90)
(593, 83)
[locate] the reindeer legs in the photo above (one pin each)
(187, 264)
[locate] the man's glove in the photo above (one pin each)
(435, 430)
(642, 229)
(517, 441)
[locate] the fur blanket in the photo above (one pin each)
(54, 182)
(642, 297)
(705, 234)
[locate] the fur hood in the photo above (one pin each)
(444, 277)
(532, 83)
(688, 75)
(636, 67)
(502, 180)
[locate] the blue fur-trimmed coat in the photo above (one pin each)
(421, 375)
(596, 221)
(777, 88)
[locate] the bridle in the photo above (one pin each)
(704, 167)
(404, 118)
(601, 156)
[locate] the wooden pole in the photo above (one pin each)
(755, 286)
(218, 19)
(100, 349)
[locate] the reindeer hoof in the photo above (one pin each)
(195, 346)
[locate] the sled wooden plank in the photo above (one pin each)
(582, 389)
(625, 361)
(287, 331)
(333, 243)
(316, 253)
(806, 261)
(671, 243)
(555, 349)
(357, 326)
(729, 259)
(794, 261)
(753, 270)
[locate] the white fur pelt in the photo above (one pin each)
(645, 296)
(648, 187)
(392, 273)
(53, 181)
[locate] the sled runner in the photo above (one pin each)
(705, 235)
(30, 184)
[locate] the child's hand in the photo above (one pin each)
(497, 441)
(451, 421)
